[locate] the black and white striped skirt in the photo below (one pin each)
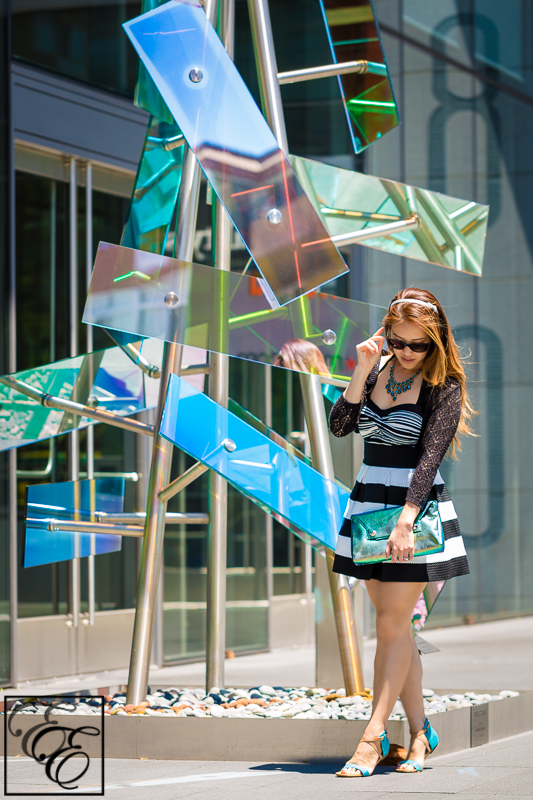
(380, 487)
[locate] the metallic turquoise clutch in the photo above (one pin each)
(370, 533)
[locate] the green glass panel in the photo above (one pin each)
(156, 188)
(164, 298)
(449, 232)
(106, 379)
(354, 36)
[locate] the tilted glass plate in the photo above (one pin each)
(164, 298)
(69, 502)
(236, 148)
(106, 379)
(156, 188)
(425, 603)
(354, 36)
(263, 470)
(147, 95)
(450, 232)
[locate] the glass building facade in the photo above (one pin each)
(462, 76)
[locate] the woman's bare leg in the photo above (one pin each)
(394, 604)
(413, 703)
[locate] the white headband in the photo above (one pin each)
(418, 303)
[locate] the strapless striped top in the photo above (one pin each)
(397, 426)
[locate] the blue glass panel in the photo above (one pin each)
(147, 94)
(68, 502)
(263, 470)
(156, 188)
(164, 298)
(236, 148)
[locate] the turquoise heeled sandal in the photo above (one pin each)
(433, 742)
(383, 751)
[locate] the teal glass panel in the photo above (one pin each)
(164, 298)
(354, 36)
(147, 95)
(450, 232)
(106, 379)
(236, 149)
(69, 502)
(261, 469)
(156, 188)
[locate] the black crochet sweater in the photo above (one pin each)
(441, 415)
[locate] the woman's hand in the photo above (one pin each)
(401, 542)
(369, 352)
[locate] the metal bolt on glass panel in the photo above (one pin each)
(236, 148)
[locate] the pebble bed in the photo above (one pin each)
(268, 702)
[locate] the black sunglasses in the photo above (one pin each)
(415, 347)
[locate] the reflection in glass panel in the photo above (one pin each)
(147, 95)
(156, 188)
(450, 232)
(165, 298)
(261, 469)
(79, 39)
(354, 36)
(106, 380)
(236, 148)
(69, 502)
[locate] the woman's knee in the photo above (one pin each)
(391, 626)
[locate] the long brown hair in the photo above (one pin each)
(443, 359)
(301, 355)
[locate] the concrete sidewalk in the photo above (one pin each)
(489, 656)
(496, 771)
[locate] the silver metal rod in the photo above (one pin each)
(451, 233)
(128, 476)
(13, 567)
(95, 527)
(89, 431)
(182, 481)
(218, 390)
(340, 590)
(48, 401)
(411, 223)
(40, 473)
(328, 70)
(269, 521)
(171, 518)
(152, 551)
(74, 437)
(311, 388)
(152, 370)
(267, 72)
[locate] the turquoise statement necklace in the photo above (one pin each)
(394, 388)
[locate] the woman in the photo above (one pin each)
(408, 410)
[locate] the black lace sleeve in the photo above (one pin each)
(438, 434)
(344, 416)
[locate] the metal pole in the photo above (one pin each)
(74, 450)
(269, 520)
(218, 390)
(329, 70)
(152, 551)
(91, 578)
(311, 390)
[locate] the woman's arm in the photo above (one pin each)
(440, 429)
(345, 413)
(344, 416)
